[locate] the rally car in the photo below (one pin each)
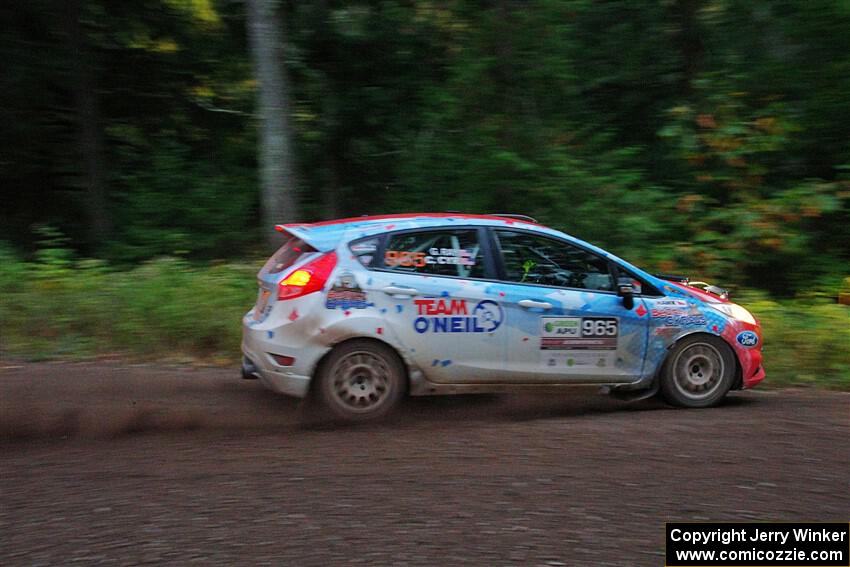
(362, 311)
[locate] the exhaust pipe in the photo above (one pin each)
(249, 370)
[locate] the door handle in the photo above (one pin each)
(400, 291)
(532, 304)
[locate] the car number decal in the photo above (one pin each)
(579, 333)
(578, 343)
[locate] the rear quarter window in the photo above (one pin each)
(365, 250)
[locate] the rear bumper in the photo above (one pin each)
(260, 341)
(277, 379)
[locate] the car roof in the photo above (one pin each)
(325, 235)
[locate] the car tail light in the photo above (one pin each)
(307, 279)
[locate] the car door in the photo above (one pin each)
(429, 286)
(567, 322)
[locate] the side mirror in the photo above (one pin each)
(626, 290)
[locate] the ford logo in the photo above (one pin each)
(747, 338)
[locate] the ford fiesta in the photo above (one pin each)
(362, 311)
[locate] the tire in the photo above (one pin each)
(360, 380)
(698, 372)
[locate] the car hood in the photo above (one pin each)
(697, 293)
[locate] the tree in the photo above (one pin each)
(87, 114)
(277, 168)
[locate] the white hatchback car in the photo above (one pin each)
(362, 311)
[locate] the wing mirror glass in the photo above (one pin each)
(626, 290)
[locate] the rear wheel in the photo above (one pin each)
(698, 372)
(360, 380)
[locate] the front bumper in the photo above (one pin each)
(753, 380)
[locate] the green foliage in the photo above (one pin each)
(704, 138)
(170, 309)
(165, 308)
(806, 341)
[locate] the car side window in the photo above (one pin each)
(535, 259)
(438, 252)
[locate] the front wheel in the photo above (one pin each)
(360, 380)
(698, 372)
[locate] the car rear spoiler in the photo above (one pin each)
(321, 240)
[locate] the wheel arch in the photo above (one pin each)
(738, 378)
(404, 364)
(695, 337)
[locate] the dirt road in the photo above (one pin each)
(111, 464)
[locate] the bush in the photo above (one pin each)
(164, 308)
(806, 341)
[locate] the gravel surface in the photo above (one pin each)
(117, 464)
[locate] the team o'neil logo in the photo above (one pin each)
(438, 315)
(747, 338)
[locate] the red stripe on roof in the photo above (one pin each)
(398, 216)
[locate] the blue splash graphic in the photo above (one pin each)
(270, 334)
(399, 308)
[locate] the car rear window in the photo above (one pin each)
(286, 255)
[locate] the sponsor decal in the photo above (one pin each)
(562, 327)
(365, 247)
(450, 256)
(671, 303)
(677, 313)
(346, 294)
(579, 360)
(686, 321)
(665, 332)
(747, 339)
(446, 315)
(660, 312)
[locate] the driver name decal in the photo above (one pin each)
(444, 315)
(451, 256)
